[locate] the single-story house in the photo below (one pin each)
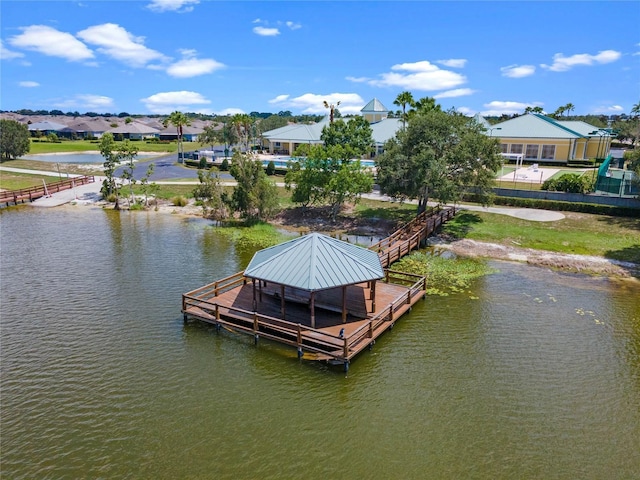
(134, 131)
(46, 127)
(189, 133)
(537, 138)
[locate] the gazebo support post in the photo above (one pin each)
(255, 303)
(313, 309)
(373, 296)
(282, 310)
(344, 304)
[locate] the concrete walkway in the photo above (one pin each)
(91, 192)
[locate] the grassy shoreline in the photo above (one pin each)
(604, 236)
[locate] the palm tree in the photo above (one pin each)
(242, 123)
(331, 108)
(569, 107)
(178, 120)
(635, 110)
(402, 100)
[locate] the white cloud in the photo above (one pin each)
(167, 102)
(518, 71)
(458, 92)
(230, 111)
(453, 62)
(86, 102)
(180, 6)
(279, 99)
(358, 79)
(562, 63)
(6, 54)
(266, 32)
(312, 103)
(114, 41)
(293, 25)
(422, 76)
(192, 67)
(498, 107)
(51, 42)
(466, 111)
(28, 84)
(608, 109)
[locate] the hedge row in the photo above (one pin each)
(598, 209)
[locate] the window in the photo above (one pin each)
(516, 148)
(532, 152)
(548, 152)
(277, 144)
(504, 148)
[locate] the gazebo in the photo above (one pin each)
(308, 266)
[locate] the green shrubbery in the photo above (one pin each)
(569, 183)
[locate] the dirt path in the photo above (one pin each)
(542, 258)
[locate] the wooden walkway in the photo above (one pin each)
(230, 303)
(19, 196)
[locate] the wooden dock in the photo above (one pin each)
(232, 303)
(20, 196)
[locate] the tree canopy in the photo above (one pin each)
(331, 173)
(439, 156)
(14, 139)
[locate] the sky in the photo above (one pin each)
(226, 57)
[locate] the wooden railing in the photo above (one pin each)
(306, 338)
(410, 236)
(33, 193)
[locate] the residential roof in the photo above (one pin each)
(46, 125)
(134, 127)
(315, 262)
(299, 132)
(385, 129)
(535, 125)
(374, 106)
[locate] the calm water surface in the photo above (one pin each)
(531, 374)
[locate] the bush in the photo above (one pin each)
(224, 166)
(202, 164)
(271, 168)
(569, 182)
(179, 201)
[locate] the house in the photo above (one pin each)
(189, 133)
(134, 131)
(46, 127)
(537, 138)
(285, 140)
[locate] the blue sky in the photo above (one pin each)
(157, 56)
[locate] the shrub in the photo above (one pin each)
(224, 166)
(179, 201)
(569, 182)
(271, 168)
(202, 164)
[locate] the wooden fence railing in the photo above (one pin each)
(33, 193)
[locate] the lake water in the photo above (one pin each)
(530, 374)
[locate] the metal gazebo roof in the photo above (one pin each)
(315, 262)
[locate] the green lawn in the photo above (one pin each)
(582, 234)
(92, 145)
(18, 181)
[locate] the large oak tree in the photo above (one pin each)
(439, 156)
